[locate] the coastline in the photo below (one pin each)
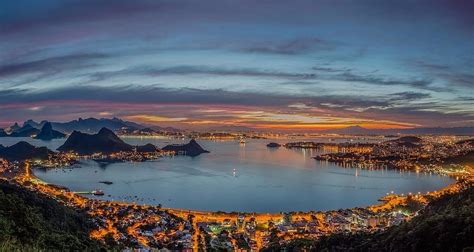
(95, 208)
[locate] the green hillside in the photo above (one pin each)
(31, 221)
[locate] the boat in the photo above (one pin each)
(106, 182)
(98, 192)
(242, 141)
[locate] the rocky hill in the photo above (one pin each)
(23, 151)
(25, 131)
(190, 149)
(47, 133)
(105, 141)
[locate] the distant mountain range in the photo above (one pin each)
(92, 125)
(358, 130)
(89, 125)
(25, 131)
(53, 130)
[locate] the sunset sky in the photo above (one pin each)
(264, 64)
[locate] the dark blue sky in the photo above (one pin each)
(275, 64)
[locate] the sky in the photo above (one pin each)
(279, 65)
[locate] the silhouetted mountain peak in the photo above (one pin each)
(23, 145)
(25, 131)
(147, 148)
(31, 123)
(47, 132)
(190, 149)
(104, 141)
(23, 151)
(105, 131)
(47, 126)
(15, 126)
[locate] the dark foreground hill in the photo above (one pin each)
(32, 222)
(446, 224)
(190, 149)
(23, 151)
(84, 144)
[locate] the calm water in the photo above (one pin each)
(235, 177)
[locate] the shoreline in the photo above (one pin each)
(103, 213)
(382, 199)
(377, 200)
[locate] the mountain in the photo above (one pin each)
(147, 148)
(190, 149)
(47, 133)
(89, 125)
(14, 127)
(105, 141)
(351, 130)
(358, 130)
(3, 133)
(25, 131)
(32, 221)
(34, 124)
(23, 151)
(93, 125)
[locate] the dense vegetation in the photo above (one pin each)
(446, 224)
(31, 221)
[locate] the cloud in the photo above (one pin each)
(291, 47)
(454, 76)
(370, 79)
(189, 70)
(409, 96)
(137, 100)
(51, 65)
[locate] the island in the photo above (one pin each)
(273, 145)
(190, 149)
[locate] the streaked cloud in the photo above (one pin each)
(251, 63)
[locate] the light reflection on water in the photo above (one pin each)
(237, 177)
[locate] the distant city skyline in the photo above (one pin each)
(303, 65)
